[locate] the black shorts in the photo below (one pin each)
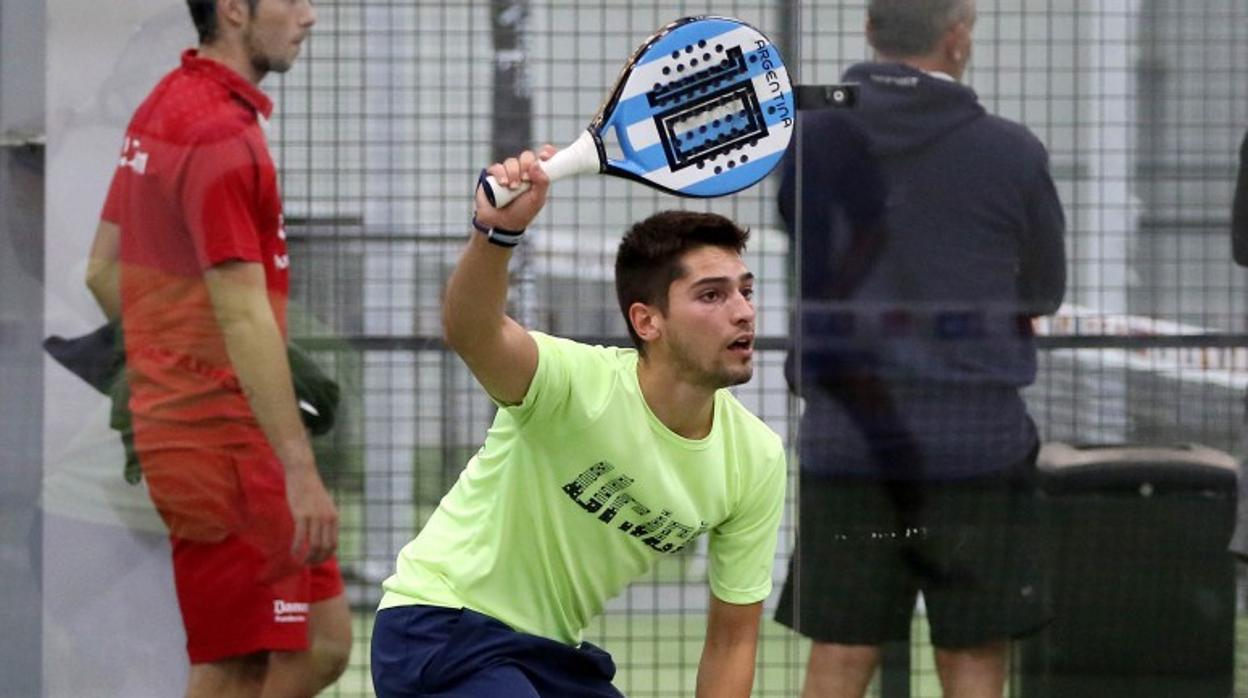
(866, 548)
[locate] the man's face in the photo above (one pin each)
(709, 324)
(274, 32)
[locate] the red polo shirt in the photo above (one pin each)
(195, 187)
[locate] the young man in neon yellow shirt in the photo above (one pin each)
(599, 461)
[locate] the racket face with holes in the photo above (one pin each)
(703, 108)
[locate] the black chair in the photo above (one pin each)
(1143, 587)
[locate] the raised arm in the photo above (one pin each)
(727, 666)
(498, 351)
(258, 354)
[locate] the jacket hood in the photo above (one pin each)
(901, 108)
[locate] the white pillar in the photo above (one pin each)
(1104, 221)
(1106, 218)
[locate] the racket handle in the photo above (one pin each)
(499, 195)
(580, 157)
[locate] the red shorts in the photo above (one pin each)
(239, 589)
(230, 610)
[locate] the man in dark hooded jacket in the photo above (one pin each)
(930, 234)
(1239, 251)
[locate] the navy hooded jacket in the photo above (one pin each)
(931, 234)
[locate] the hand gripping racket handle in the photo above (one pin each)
(580, 157)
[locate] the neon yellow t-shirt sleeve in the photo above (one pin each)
(559, 361)
(743, 547)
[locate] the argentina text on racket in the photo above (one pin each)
(774, 83)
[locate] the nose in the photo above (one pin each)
(309, 16)
(743, 310)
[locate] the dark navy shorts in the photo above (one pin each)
(436, 652)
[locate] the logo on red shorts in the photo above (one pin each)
(290, 611)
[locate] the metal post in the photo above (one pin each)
(895, 669)
(512, 123)
(21, 361)
(895, 656)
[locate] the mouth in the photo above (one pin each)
(743, 345)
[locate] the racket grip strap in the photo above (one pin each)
(498, 195)
(498, 236)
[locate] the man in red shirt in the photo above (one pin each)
(190, 254)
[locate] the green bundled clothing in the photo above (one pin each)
(99, 358)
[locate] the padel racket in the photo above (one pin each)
(703, 108)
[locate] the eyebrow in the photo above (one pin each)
(713, 280)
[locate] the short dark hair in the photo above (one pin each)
(649, 258)
(907, 28)
(204, 15)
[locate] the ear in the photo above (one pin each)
(232, 13)
(646, 320)
(957, 42)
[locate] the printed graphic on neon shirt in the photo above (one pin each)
(608, 497)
